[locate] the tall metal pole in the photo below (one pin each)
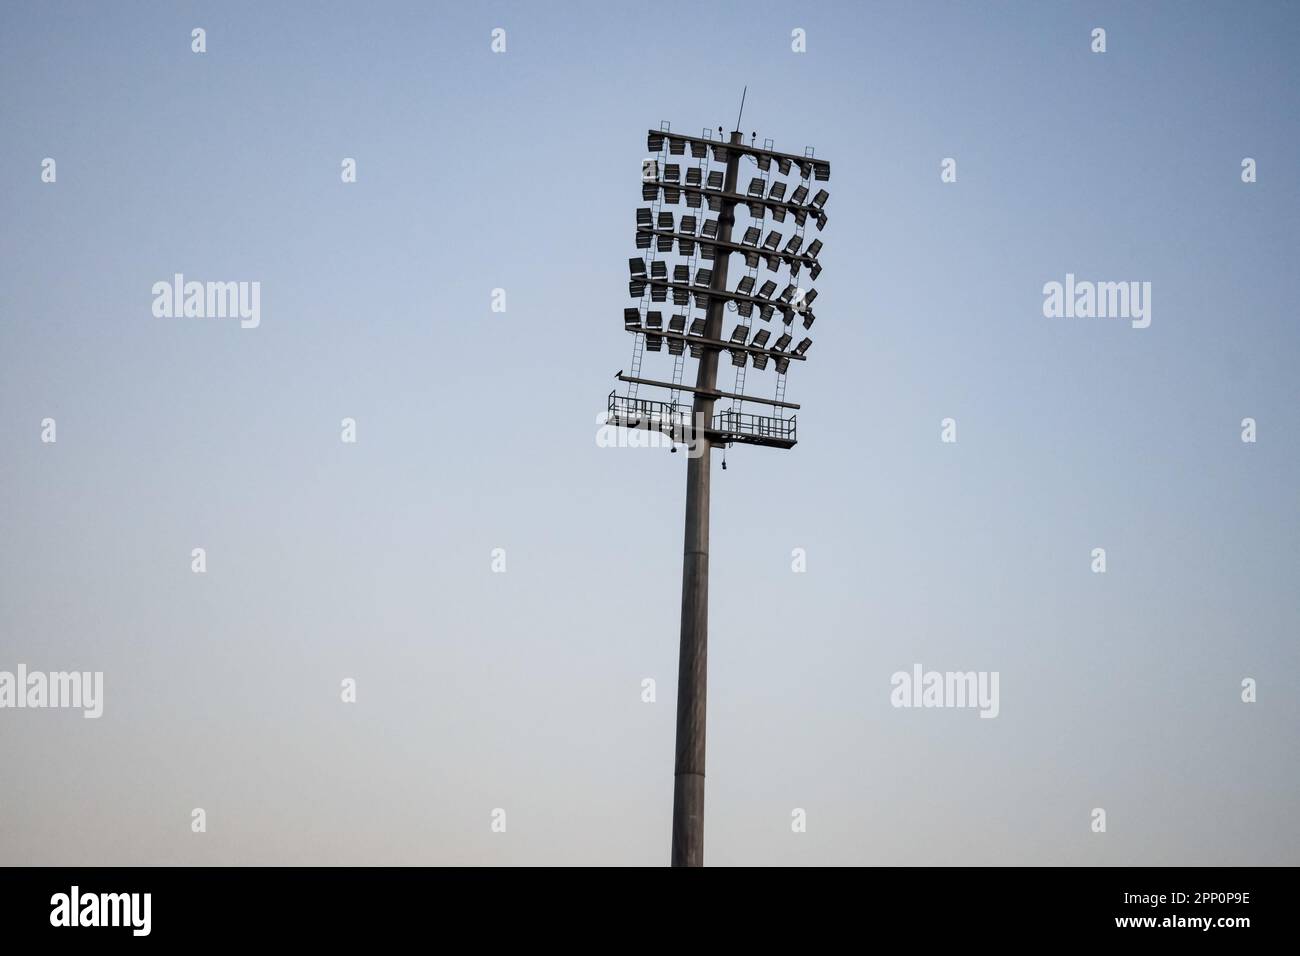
(692, 667)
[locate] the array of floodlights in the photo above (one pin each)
(696, 237)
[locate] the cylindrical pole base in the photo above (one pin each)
(688, 819)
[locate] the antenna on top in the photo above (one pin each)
(742, 106)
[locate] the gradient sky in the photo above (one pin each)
(477, 431)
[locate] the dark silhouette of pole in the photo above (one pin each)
(692, 667)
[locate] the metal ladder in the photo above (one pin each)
(638, 349)
(798, 231)
(679, 361)
(638, 345)
(747, 321)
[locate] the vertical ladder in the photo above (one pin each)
(797, 300)
(747, 321)
(638, 349)
(800, 232)
(638, 346)
(692, 265)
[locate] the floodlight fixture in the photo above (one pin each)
(677, 325)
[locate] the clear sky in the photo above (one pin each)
(476, 431)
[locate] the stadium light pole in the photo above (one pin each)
(693, 659)
(700, 428)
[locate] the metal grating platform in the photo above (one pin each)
(674, 419)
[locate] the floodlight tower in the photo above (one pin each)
(699, 427)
